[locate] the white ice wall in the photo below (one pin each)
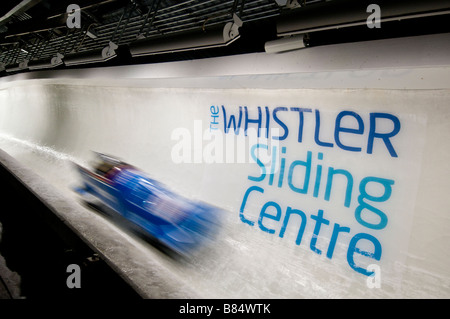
(141, 113)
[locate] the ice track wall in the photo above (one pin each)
(341, 193)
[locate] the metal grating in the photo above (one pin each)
(145, 18)
(149, 18)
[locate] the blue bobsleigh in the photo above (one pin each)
(176, 222)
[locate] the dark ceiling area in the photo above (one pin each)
(43, 34)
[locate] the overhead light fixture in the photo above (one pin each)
(286, 44)
(93, 56)
(46, 64)
(17, 66)
(186, 41)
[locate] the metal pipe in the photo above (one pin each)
(348, 13)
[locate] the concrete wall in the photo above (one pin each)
(375, 199)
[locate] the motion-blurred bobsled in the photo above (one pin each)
(176, 222)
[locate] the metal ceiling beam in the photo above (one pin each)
(347, 13)
(90, 6)
(21, 7)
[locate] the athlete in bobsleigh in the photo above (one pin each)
(176, 222)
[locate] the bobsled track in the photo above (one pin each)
(49, 119)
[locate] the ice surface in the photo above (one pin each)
(242, 261)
